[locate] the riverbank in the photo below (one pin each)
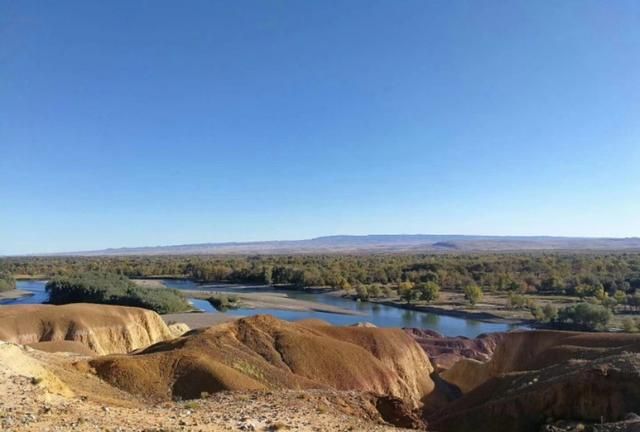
(492, 309)
(477, 315)
(299, 304)
(453, 305)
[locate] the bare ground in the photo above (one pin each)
(27, 407)
(43, 392)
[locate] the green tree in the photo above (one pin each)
(473, 293)
(407, 292)
(344, 285)
(584, 316)
(362, 292)
(429, 291)
(267, 274)
(619, 296)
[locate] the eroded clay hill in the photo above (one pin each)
(82, 328)
(537, 376)
(262, 352)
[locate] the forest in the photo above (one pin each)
(604, 284)
(115, 289)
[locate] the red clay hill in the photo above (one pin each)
(262, 352)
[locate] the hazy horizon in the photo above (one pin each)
(135, 124)
(347, 237)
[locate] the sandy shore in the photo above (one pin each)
(14, 294)
(148, 283)
(276, 301)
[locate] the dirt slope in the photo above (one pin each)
(262, 352)
(445, 351)
(533, 350)
(102, 329)
(42, 392)
(539, 375)
(604, 389)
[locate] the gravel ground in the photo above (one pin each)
(26, 405)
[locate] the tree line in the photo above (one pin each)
(583, 275)
(115, 289)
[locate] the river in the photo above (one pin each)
(380, 315)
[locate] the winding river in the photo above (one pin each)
(380, 315)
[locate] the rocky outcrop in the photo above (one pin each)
(178, 329)
(445, 351)
(262, 352)
(605, 389)
(631, 423)
(102, 329)
(539, 375)
(533, 350)
(16, 361)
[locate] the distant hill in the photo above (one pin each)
(383, 243)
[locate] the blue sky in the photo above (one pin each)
(151, 122)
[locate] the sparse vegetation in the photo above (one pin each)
(111, 288)
(191, 405)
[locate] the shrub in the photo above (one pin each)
(112, 288)
(224, 302)
(629, 325)
(473, 293)
(375, 291)
(517, 301)
(537, 312)
(549, 312)
(388, 291)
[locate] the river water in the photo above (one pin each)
(380, 315)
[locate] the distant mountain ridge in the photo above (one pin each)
(382, 243)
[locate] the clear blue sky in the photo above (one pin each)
(129, 123)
